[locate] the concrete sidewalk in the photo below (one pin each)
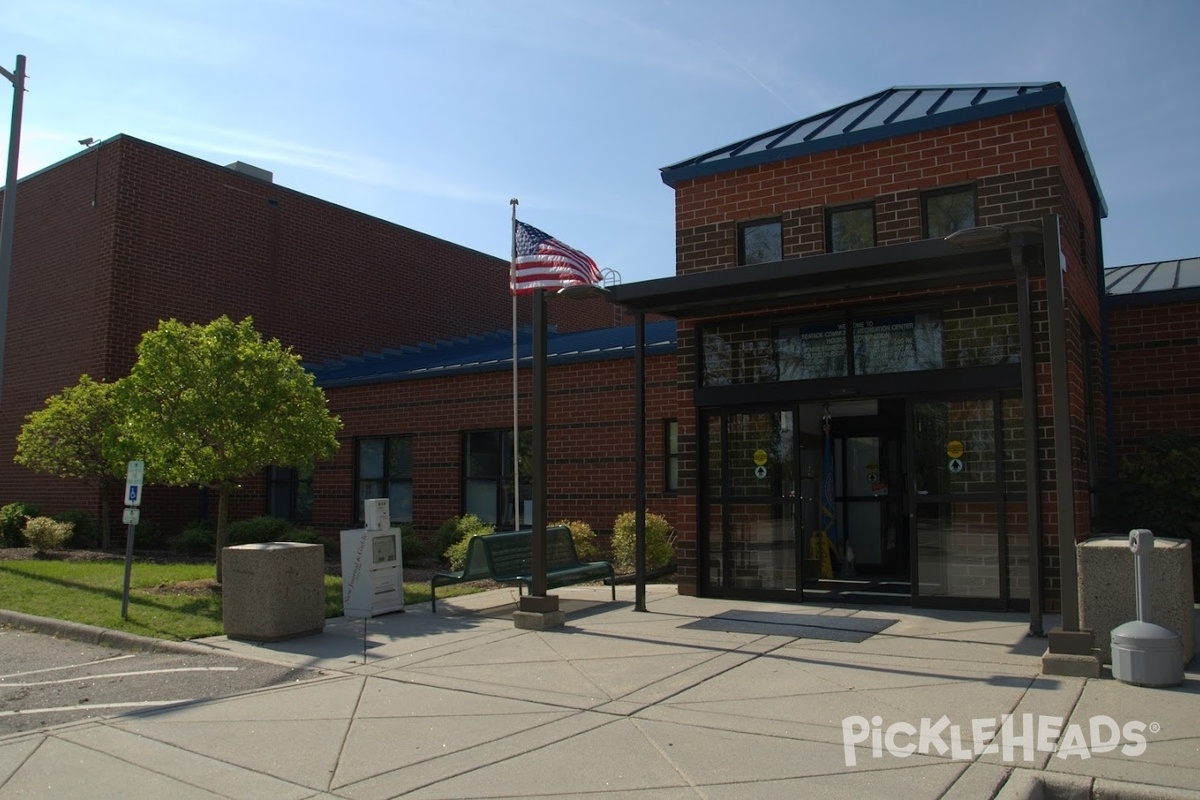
(697, 698)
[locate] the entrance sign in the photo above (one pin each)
(760, 457)
(955, 449)
(955, 465)
(760, 472)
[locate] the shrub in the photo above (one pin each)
(456, 530)
(413, 547)
(584, 538)
(45, 534)
(197, 539)
(257, 530)
(12, 522)
(469, 526)
(660, 542)
(310, 536)
(86, 528)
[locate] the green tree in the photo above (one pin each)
(69, 438)
(208, 405)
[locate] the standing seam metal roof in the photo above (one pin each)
(490, 352)
(1156, 276)
(898, 111)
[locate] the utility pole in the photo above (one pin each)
(7, 221)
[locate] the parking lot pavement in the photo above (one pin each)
(45, 680)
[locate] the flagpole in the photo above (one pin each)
(512, 283)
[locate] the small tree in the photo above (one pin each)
(69, 438)
(207, 405)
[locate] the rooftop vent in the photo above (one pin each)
(251, 170)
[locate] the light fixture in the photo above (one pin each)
(978, 237)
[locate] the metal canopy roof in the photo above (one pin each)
(1133, 283)
(898, 111)
(928, 263)
(490, 352)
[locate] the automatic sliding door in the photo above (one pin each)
(958, 509)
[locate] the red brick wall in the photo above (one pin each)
(590, 438)
(1155, 375)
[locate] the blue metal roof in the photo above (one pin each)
(1156, 276)
(899, 111)
(490, 352)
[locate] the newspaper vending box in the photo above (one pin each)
(372, 568)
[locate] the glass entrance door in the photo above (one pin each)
(751, 488)
(957, 515)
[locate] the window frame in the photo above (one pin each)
(945, 191)
(357, 492)
(502, 480)
(832, 211)
(757, 223)
(671, 456)
(291, 479)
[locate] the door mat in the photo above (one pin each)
(801, 626)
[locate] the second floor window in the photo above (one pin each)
(948, 211)
(760, 242)
(850, 228)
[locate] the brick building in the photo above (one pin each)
(864, 346)
(126, 233)
(873, 352)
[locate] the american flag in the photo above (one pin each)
(544, 262)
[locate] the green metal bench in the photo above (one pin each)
(508, 558)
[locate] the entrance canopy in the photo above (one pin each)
(971, 256)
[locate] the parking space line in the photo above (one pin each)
(88, 706)
(69, 666)
(119, 675)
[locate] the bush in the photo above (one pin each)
(12, 523)
(197, 539)
(257, 530)
(87, 532)
(584, 538)
(310, 536)
(45, 534)
(660, 542)
(468, 527)
(413, 547)
(456, 530)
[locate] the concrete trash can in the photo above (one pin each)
(273, 591)
(1106, 590)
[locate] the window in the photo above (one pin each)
(488, 476)
(851, 227)
(948, 211)
(289, 493)
(671, 456)
(384, 470)
(760, 242)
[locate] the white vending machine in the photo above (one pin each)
(372, 568)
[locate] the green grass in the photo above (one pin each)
(90, 592)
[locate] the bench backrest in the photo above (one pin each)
(510, 553)
(560, 548)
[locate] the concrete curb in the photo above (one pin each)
(104, 637)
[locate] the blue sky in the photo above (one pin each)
(433, 113)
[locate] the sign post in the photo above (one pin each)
(133, 500)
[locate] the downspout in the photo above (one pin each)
(1110, 440)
